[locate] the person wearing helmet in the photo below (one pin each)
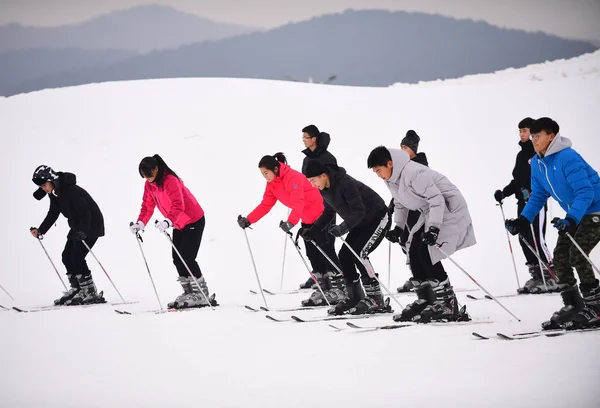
(86, 226)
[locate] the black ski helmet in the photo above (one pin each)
(43, 174)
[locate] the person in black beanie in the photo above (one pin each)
(520, 187)
(316, 144)
(86, 223)
(366, 221)
(410, 144)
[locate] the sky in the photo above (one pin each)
(578, 19)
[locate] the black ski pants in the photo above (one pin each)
(187, 241)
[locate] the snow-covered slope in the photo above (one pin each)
(213, 133)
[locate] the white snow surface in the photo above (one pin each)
(213, 132)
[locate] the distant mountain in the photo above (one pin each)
(364, 48)
(139, 29)
(20, 66)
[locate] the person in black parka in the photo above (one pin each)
(87, 225)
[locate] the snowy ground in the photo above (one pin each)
(213, 133)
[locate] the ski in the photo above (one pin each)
(546, 333)
(4, 308)
(289, 292)
(375, 328)
(293, 309)
(211, 299)
(318, 319)
(50, 308)
(407, 324)
(251, 308)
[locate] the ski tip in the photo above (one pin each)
(251, 308)
(354, 326)
(504, 336)
(264, 309)
(472, 297)
(297, 319)
(479, 336)
(489, 297)
(253, 292)
(268, 292)
(19, 310)
(272, 318)
(335, 327)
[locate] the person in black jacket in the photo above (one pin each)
(316, 143)
(366, 221)
(86, 223)
(520, 187)
(410, 144)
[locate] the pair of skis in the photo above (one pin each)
(48, 308)
(533, 334)
(211, 299)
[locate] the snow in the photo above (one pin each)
(213, 133)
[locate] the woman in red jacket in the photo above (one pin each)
(165, 190)
(294, 191)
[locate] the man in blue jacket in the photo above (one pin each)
(559, 172)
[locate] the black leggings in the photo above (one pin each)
(187, 241)
(420, 260)
(326, 242)
(73, 257)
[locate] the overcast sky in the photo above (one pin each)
(567, 18)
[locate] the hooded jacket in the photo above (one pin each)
(75, 204)
(320, 153)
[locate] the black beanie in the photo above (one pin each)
(526, 123)
(411, 140)
(312, 131)
(314, 168)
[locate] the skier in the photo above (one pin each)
(86, 225)
(520, 186)
(294, 191)
(366, 221)
(164, 189)
(410, 144)
(316, 144)
(558, 171)
(444, 218)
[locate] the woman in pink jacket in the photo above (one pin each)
(294, 191)
(165, 190)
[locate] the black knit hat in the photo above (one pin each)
(526, 123)
(314, 168)
(44, 173)
(312, 131)
(546, 124)
(411, 140)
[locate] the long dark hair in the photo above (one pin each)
(149, 163)
(272, 162)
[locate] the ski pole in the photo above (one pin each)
(370, 271)
(594, 267)
(510, 245)
(50, 259)
(522, 238)
(139, 241)
(439, 247)
(188, 269)
(102, 267)
(537, 253)
(5, 291)
(389, 263)
(255, 270)
(283, 262)
(308, 267)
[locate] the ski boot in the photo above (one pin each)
(535, 285)
(445, 306)
(373, 301)
(185, 282)
(308, 284)
(195, 298)
(409, 286)
(354, 295)
(573, 304)
(589, 316)
(69, 294)
(425, 297)
(87, 294)
(334, 288)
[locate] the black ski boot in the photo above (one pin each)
(573, 304)
(445, 307)
(354, 295)
(334, 288)
(373, 301)
(535, 285)
(87, 294)
(589, 316)
(409, 286)
(69, 294)
(425, 297)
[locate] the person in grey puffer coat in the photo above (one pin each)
(445, 219)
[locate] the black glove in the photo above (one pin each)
(77, 235)
(431, 236)
(516, 226)
(499, 196)
(243, 222)
(523, 195)
(565, 225)
(339, 230)
(286, 226)
(307, 234)
(393, 235)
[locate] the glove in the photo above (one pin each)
(137, 227)
(286, 226)
(77, 235)
(163, 225)
(35, 233)
(516, 226)
(243, 222)
(339, 230)
(394, 235)
(431, 236)
(499, 196)
(524, 194)
(307, 234)
(565, 225)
